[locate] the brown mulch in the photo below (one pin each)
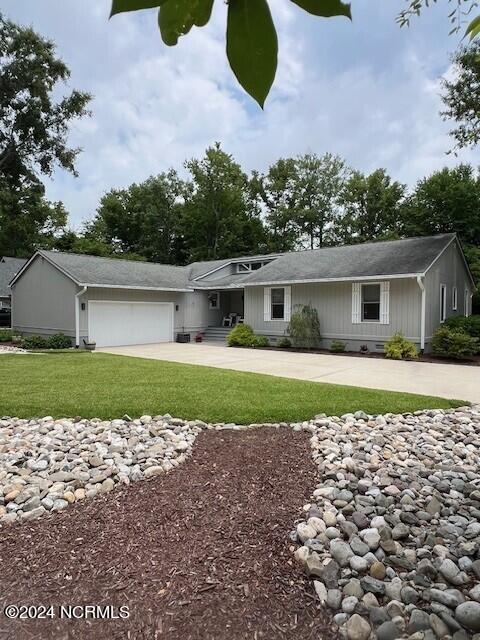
(199, 553)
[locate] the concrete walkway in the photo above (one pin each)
(451, 381)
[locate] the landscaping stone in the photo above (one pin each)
(47, 464)
(403, 493)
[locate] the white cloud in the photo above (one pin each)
(373, 100)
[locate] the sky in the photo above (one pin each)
(366, 90)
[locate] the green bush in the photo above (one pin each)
(470, 325)
(284, 343)
(6, 335)
(260, 341)
(337, 346)
(453, 343)
(399, 348)
(241, 336)
(35, 342)
(304, 327)
(59, 341)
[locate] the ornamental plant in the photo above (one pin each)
(453, 343)
(304, 327)
(399, 348)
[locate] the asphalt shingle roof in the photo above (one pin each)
(121, 273)
(397, 257)
(9, 267)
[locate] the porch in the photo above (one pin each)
(226, 308)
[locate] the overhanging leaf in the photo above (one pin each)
(177, 17)
(120, 6)
(252, 46)
(325, 8)
(473, 28)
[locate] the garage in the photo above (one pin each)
(118, 323)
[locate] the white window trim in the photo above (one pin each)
(210, 302)
(454, 298)
(443, 307)
(267, 304)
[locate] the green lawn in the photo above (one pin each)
(108, 386)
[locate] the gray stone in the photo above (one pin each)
(334, 599)
(349, 603)
(358, 628)
(341, 552)
(419, 621)
(468, 615)
(388, 631)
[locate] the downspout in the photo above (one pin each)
(421, 284)
(77, 316)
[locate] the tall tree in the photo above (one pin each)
(36, 221)
(276, 194)
(462, 97)
(220, 218)
(371, 208)
(144, 219)
(320, 182)
(447, 201)
(33, 128)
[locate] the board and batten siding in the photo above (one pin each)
(44, 301)
(333, 301)
(450, 271)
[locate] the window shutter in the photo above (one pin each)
(355, 303)
(288, 303)
(385, 302)
(267, 304)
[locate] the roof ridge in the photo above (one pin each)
(112, 258)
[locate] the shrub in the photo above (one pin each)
(59, 341)
(260, 341)
(399, 348)
(470, 325)
(284, 343)
(35, 342)
(304, 327)
(6, 335)
(453, 343)
(241, 336)
(337, 346)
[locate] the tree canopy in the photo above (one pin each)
(34, 126)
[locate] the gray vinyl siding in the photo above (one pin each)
(449, 270)
(227, 270)
(43, 301)
(333, 302)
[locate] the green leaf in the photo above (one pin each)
(252, 46)
(120, 6)
(473, 28)
(325, 8)
(177, 17)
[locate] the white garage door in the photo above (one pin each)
(113, 324)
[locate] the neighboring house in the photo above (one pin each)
(363, 293)
(9, 267)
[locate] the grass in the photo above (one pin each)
(108, 386)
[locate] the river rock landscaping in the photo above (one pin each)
(47, 464)
(391, 538)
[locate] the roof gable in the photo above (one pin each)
(9, 267)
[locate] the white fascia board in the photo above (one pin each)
(394, 276)
(132, 286)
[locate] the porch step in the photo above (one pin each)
(216, 334)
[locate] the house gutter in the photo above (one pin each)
(77, 316)
(421, 284)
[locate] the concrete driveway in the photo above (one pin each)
(444, 380)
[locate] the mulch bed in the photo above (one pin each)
(474, 361)
(199, 553)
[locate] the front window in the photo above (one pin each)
(454, 298)
(278, 304)
(466, 303)
(370, 302)
(443, 302)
